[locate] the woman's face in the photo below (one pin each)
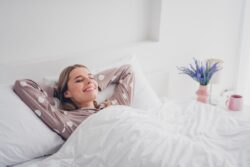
(82, 87)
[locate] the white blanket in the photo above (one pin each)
(119, 136)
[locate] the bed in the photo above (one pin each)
(151, 132)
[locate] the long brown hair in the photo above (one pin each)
(62, 86)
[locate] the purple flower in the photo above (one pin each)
(200, 72)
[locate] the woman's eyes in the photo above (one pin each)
(81, 80)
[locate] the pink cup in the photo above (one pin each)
(235, 102)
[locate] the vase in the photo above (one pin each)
(202, 94)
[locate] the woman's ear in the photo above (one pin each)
(67, 94)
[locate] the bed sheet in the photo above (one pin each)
(27, 163)
(184, 133)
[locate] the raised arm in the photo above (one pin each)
(37, 99)
(123, 78)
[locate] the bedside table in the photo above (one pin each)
(243, 114)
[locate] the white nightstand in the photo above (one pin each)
(243, 114)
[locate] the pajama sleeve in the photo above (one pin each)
(37, 99)
(123, 78)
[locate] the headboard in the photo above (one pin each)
(51, 67)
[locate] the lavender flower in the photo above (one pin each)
(200, 72)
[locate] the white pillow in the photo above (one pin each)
(144, 96)
(23, 136)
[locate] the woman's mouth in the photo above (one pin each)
(89, 89)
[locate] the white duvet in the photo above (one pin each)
(119, 136)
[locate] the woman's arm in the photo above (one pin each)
(123, 78)
(37, 99)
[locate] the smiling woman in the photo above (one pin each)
(76, 88)
(82, 88)
(77, 91)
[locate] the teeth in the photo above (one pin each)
(89, 89)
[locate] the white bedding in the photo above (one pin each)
(29, 162)
(198, 135)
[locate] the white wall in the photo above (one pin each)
(243, 81)
(202, 29)
(43, 29)
(34, 29)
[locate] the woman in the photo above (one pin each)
(77, 90)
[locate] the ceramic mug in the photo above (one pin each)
(235, 102)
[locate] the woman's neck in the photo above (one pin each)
(87, 105)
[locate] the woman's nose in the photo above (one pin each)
(88, 81)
